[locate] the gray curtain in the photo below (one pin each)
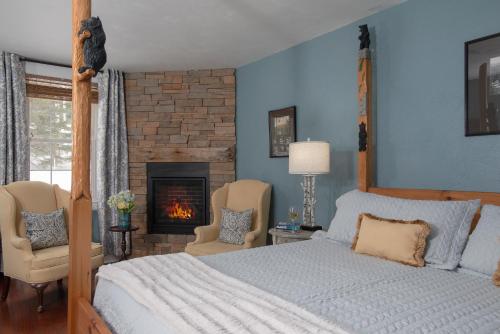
(111, 154)
(14, 140)
(14, 127)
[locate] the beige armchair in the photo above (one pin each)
(37, 268)
(238, 196)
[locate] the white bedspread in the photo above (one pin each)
(192, 297)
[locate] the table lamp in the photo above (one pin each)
(309, 158)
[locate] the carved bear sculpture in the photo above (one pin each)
(362, 137)
(93, 37)
(364, 37)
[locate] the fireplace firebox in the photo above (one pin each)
(178, 195)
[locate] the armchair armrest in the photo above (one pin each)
(250, 237)
(21, 243)
(8, 224)
(206, 233)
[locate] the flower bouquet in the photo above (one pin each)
(124, 203)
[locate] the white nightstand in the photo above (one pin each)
(283, 237)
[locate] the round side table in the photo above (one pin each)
(123, 231)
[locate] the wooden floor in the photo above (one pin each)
(18, 313)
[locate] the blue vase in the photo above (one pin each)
(123, 219)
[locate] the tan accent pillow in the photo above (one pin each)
(496, 276)
(395, 240)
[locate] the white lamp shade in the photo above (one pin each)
(309, 158)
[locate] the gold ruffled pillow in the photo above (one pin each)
(396, 240)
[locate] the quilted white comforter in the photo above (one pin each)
(191, 297)
(362, 294)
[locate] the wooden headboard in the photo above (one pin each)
(366, 152)
(441, 195)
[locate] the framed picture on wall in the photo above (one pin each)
(482, 86)
(282, 131)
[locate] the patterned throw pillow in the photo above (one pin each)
(45, 230)
(234, 226)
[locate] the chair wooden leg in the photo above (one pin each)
(40, 287)
(60, 287)
(6, 287)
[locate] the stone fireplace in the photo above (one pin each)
(178, 197)
(176, 117)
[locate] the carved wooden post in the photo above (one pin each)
(365, 109)
(81, 202)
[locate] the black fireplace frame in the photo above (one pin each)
(181, 171)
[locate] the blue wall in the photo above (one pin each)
(419, 104)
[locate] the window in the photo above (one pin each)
(49, 102)
(50, 141)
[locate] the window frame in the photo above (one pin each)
(53, 88)
(45, 87)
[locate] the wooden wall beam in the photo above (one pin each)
(184, 154)
(81, 202)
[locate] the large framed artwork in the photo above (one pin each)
(482, 86)
(282, 131)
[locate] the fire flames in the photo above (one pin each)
(176, 210)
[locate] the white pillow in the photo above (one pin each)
(450, 222)
(482, 252)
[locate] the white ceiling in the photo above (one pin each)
(148, 35)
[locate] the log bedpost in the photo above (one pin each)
(365, 153)
(81, 202)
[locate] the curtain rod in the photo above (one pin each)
(44, 62)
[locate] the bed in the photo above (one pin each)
(320, 279)
(361, 294)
